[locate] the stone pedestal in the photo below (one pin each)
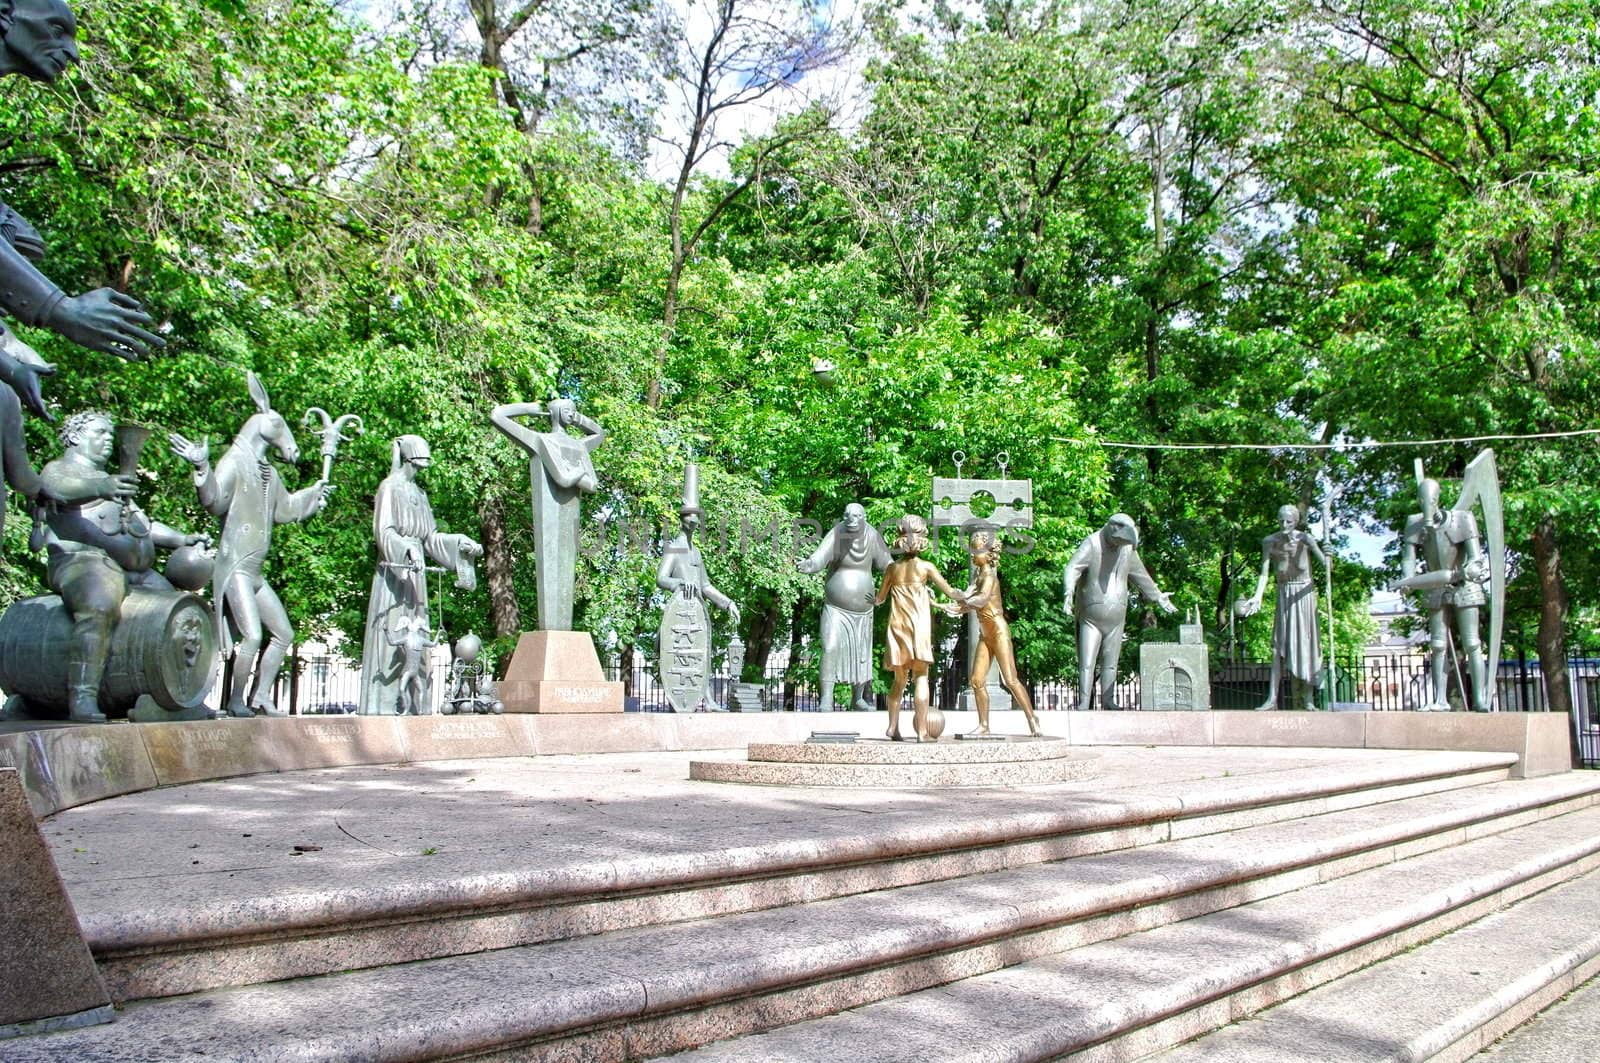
(48, 980)
(557, 671)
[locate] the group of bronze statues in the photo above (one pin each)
(119, 635)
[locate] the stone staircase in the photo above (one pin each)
(1104, 930)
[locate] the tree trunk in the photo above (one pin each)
(1552, 636)
(626, 664)
(763, 633)
(503, 611)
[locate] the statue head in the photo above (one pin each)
(1120, 530)
(913, 535)
(561, 411)
(266, 424)
(468, 647)
(984, 547)
(1428, 496)
(89, 434)
(855, 518)
(410, 452)
(1289, 517)
(37, 38)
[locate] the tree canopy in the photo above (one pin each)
(1011, 228)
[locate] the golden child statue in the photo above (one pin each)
(910, 636)
(994, 633)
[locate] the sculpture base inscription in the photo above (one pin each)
(557, 672)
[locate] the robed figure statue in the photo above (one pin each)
(408, 537)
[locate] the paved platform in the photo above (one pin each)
(263, 850)
(609, 907)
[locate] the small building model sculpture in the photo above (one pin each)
(1176, 676)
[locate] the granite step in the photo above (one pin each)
(168, 946)
(1443, 1002)
(637, 993)
(1128, 998)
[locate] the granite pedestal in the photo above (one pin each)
(48, 980)
(557, 672)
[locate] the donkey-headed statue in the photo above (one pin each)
(246, 492)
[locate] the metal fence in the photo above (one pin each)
(324, 683)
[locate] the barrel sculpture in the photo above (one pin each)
(164, 646)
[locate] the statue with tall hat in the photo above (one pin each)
(849, 554)
(246, 492)
(1096, 584)
(408, 538)
(562, 472)
(684, 643)
(1458, 569)
(1287, 555)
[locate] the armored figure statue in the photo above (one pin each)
(561, 472)
(37, 41)
(1296, 653)
(1459, 577)
(407, 535)
(247, 493)
(101, 546)
(1096, 583)
(850, 552)
(684, 641)
(471, 686)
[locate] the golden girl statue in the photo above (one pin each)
(910, 636)
(994, 633)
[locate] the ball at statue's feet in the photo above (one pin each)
(935, 723)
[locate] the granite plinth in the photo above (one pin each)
(48, 979)
(1009, 749)
(557, 672)
(879, 762)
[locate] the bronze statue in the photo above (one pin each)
(407, 535)
(850, 552)
(684, 642)
(1103, 566)
(471, 686)
(247, 493)
(37, 41)
(411, 636)
(101, 545)
(1296, 652)
(1461, 577)
(994, 632)
(562, 472)
(909, 641)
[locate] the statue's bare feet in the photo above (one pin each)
(979, 731)
(1033, 727)
(1266, 706)
(241, 710)
(893, 736)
